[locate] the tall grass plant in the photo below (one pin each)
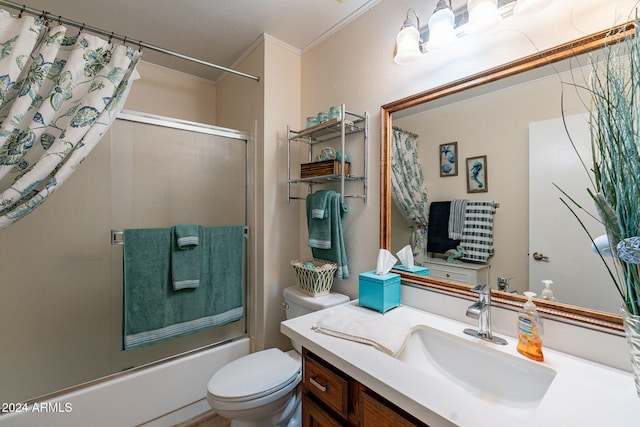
(614, 98)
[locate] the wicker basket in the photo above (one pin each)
(316, 281)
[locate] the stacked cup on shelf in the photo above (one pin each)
(333, 113)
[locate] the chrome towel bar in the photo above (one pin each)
(117, 236)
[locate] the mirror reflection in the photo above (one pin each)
(522, 128)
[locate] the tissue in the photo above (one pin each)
(385, 262)
(405, 255)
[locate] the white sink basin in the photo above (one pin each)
(478, 367)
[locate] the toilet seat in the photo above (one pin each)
(254, 376)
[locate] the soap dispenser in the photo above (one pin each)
(547, 293)
(530, 330)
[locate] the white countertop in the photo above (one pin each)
(583, 393)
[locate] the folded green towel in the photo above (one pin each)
(330, 232)
(318, 204)
(318, 219)
(187, 235)
(185, 263)
(154, 311)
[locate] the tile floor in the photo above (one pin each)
(208, 419)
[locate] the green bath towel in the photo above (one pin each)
(154, 311)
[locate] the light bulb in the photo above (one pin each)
(407, 45)
(441, 31)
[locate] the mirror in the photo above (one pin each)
(561, 64)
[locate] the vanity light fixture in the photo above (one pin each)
(446, 25)
(440, 34)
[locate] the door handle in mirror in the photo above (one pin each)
(539, 256)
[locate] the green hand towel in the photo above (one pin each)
(318, 219)
(185, 261)
(187, 235)
(318, 204)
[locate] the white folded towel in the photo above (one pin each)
(377, 330)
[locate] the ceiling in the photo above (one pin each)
(215, 31)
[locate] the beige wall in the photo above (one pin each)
(265, 108)
(239, 105)
(169, 93)
(281, 222)
(356, 66)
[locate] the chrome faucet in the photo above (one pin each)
(481, 310)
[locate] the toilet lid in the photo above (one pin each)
(254, 375)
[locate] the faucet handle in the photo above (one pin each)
(481, 289)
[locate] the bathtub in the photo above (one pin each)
(160, 395)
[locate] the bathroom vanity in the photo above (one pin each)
(332, 398)
(477, 383)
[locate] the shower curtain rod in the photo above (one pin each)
(50, 17)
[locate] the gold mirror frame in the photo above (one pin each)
(562, 312)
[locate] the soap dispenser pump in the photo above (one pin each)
(547, 293)
(530, 330)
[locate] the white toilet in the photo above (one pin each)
(261, 389)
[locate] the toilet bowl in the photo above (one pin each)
(261, 389)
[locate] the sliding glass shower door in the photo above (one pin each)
(61, 309)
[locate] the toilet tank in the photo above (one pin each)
(298, 303)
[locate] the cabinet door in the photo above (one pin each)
(314, 416)
(376, 413)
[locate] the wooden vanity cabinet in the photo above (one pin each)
(330, 398)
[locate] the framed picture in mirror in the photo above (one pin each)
(449, 159)
(477, 174)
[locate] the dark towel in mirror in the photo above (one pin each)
(438, 240)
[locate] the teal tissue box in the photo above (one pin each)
(380, 293)
(421, 271)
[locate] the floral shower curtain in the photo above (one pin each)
(409, 193)
(59, 94)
